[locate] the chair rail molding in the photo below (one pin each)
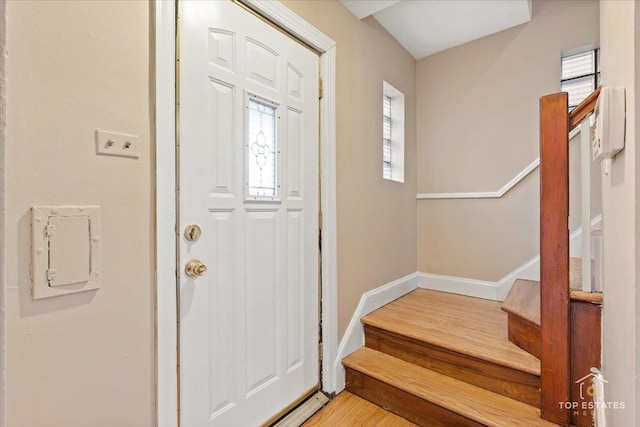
(491, 194)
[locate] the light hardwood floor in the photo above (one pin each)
(413, 385)
(470, 326)
(349, 410)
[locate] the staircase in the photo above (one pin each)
(440, 359)
(523, 310)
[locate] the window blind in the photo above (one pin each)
(386, 137)
(579, 76)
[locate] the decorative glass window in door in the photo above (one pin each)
(262, 149)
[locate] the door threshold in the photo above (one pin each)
(304, 411)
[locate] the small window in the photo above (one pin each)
(392, 133)
(580, 75)
(386, 137)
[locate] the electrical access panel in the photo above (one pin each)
(65, 250)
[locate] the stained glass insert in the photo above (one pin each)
(262, 150)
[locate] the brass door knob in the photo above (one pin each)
(195, 268)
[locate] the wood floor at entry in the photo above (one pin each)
(249, 125)
(350, 410)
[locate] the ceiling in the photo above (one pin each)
(425, 27)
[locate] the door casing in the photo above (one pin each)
(3, 141)
(167, 344)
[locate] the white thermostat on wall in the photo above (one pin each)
(65, 250)
(608, 132)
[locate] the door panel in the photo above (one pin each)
(249, 179)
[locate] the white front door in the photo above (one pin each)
(248, 105)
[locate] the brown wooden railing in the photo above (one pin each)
(555, 334)
(583, 110)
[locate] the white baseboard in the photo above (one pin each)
(499, 289)
(530, 270)
(458, 285)
(354, 336)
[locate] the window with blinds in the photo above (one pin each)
(580, 75)
(392, 133)
(386, 137)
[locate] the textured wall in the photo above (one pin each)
(477, 128)
(620, 192)
(86, 359)
(376, 218)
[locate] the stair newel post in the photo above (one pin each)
(554, 257)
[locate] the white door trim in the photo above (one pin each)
(3, 252)
(166, 227)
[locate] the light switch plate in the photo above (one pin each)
(65, 250)
(112, 143)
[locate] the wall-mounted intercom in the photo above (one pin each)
(608, 133)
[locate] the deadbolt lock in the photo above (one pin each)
(195, 268)
(192, 232)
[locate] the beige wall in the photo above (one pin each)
(3, 134)
(376, 218)
(477, 127)
(621, 188)
(88, 359)
(85, 359)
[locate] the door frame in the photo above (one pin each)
(3, 252)
(167, 345)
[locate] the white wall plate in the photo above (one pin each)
(112, 143)
(65, 250)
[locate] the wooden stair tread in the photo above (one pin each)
(349, 410)
(592, 297)
(470, 326)
(474, 403)
(524, 300)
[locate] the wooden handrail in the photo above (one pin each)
(555, 296)
(554, 258)
(583, 110)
